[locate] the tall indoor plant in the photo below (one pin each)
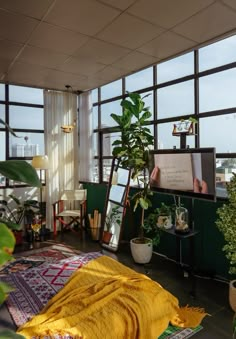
(226, 224)
(132, 149)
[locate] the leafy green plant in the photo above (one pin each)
(151, 229)
(132, 148)
(27, 209)
(21, 171)
(113, 217)
(226, 224)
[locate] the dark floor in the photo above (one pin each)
(210, 294)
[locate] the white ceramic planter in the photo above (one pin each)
(232, 294)
(142, 253)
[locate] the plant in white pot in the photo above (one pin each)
(226, 223)
(132, 150)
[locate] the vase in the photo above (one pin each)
(181, 220)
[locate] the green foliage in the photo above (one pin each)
(21, 171)
(113, 217)
(226, 223)
(13, 217)
(132, 149)
(151, 229)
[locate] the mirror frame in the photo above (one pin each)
(122, 202)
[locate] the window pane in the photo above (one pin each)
(167, 141)
(26, 117)
(175, 100)
(95, 177)
(112, 89)
(217, 54)
(106, 110)
(95, 95)
(108, 139)
(95, 144)
(224, 169)
(139, 80)
(3, 146)
(26, 94)
(175, 68)
(95, 117)
(106, 169)
(219, 132)
(217, 91)
(2, 115)
(28, 145)
(2, 92)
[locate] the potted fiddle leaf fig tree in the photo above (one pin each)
(226, 224)
(132, 150)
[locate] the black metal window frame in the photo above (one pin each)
(7, 104)
(155, 122)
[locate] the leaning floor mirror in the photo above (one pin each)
(115, 206)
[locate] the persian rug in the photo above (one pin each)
(173, 332)
(34, 287)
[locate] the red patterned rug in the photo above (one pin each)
(33, 287)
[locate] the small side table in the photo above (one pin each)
(179, 237)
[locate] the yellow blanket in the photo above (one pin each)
(105, 299)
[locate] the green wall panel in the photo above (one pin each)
(209, 257)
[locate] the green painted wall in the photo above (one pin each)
(209, 257)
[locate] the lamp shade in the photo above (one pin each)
(40, 162)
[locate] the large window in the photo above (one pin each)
(199, 84)
(24, 113)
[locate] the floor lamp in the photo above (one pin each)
(40, 162)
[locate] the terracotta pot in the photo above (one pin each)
(19, 237)
(106, 237)
(232, 294)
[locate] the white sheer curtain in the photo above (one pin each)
(86, 154)
(60, 108)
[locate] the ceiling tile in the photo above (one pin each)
(109, 73)
(58, 79)
(121, 4)
(26, 74)
(216, 19)
(167, 13)
(135, 60)
(90, 83)
(166, 45)
(4, 65)
(87, 17)
(101, 51)
(9, 49)
(230, 3)
(40, 56)
(129, 31)
(16, 27)
(35, 9)
(57, 39)
(81, 66)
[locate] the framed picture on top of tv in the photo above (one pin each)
(188, 172)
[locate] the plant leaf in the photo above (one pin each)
(20, 170)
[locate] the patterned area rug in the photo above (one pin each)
(173, 332)
(34, 287)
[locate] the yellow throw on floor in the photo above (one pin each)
(105, 299)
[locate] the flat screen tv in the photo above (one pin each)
(186, 172)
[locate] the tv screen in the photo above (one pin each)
(187, 172)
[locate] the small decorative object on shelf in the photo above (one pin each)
(181, 220)
(186, 126)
